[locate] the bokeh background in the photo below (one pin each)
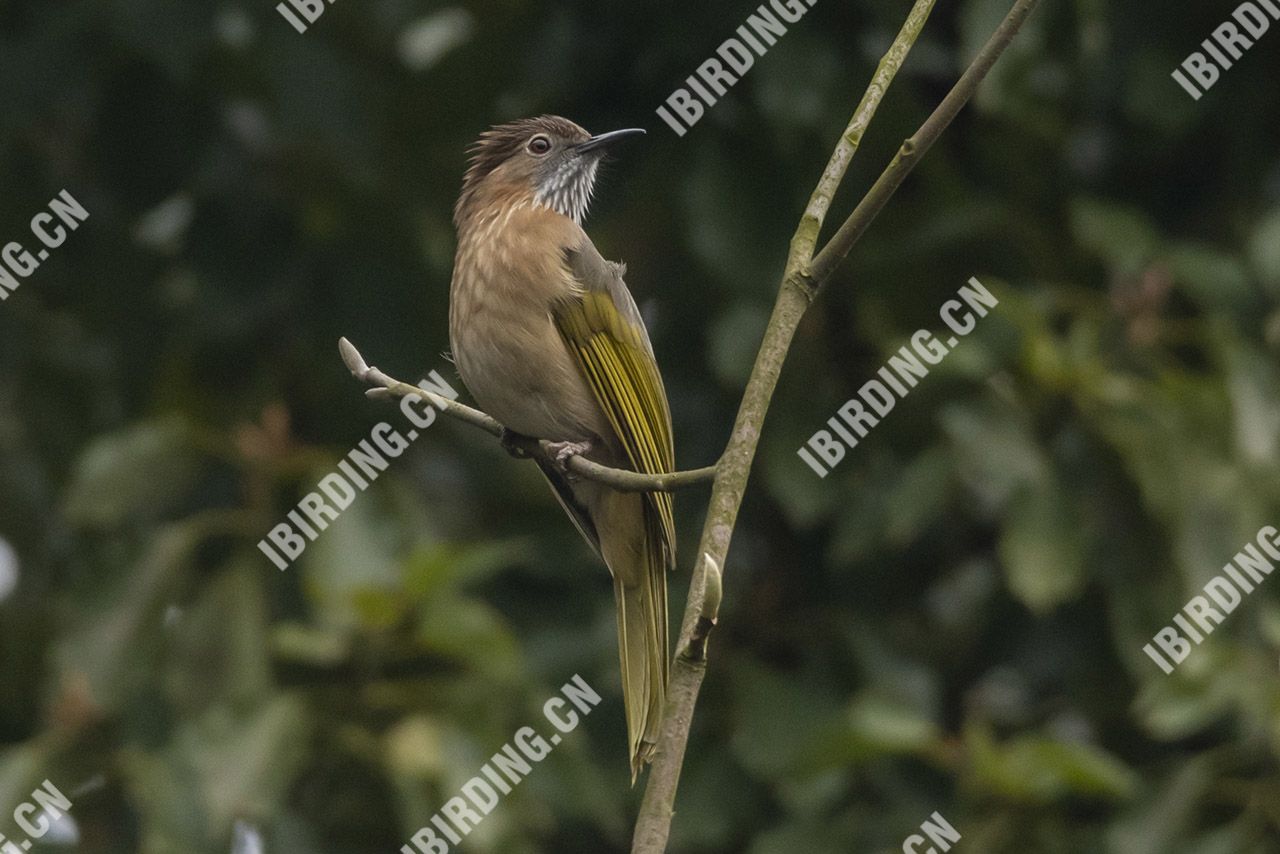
(951, 621)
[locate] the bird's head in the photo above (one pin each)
(548, 161)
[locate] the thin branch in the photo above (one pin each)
(653, 824)
(386, 387)
(687, 672)
(815, 214)
(800, 283)
(915, 147)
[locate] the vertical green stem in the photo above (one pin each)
(803, 278)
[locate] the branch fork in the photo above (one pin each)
(807, 272)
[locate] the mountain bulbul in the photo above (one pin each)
(548, 340)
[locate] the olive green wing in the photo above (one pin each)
(604, 331)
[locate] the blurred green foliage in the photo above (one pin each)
(951, 621)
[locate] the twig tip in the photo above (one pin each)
(352, 359)
(713, 588)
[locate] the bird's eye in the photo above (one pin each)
(539, 145)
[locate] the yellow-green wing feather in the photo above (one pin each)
(603, 330)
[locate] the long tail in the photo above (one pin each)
(642, 649)
(630, 540)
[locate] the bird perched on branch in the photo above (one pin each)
(548, 340)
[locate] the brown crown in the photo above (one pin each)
(499, 143)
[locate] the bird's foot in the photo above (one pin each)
(562, 451)
(514, 443)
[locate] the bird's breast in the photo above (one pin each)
(505, 343)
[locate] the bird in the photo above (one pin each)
(548, 340)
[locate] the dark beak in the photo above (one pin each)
(606, 140)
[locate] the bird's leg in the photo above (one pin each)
(515, 443)
(564, 450)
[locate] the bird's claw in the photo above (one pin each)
(563, 451)
(511, 441)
